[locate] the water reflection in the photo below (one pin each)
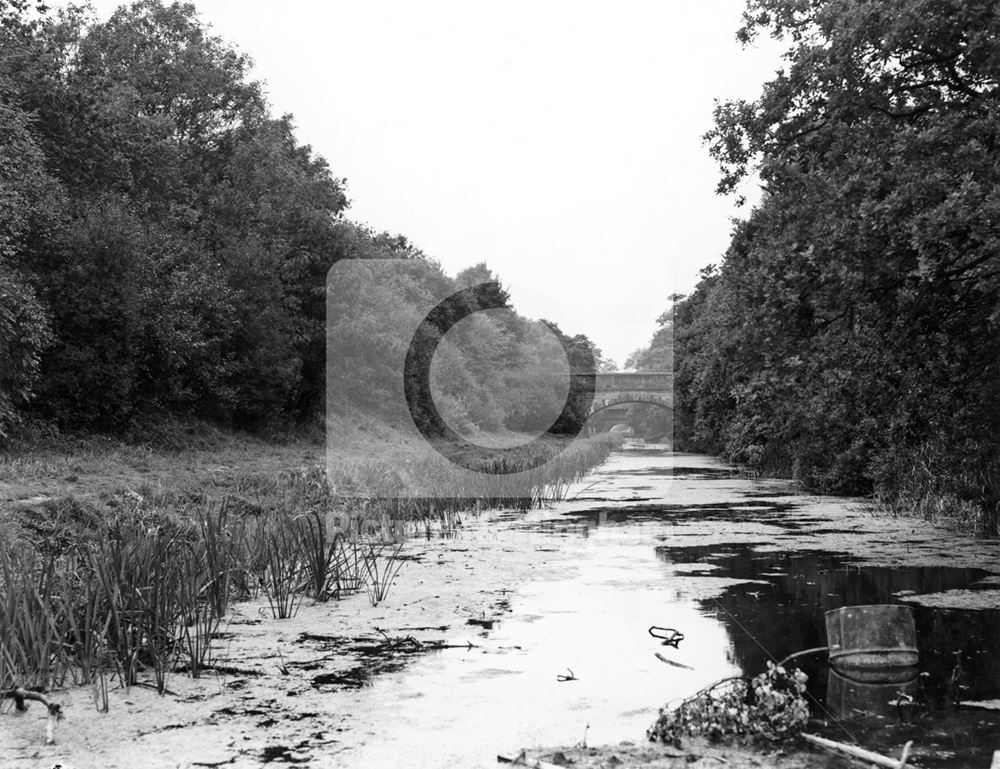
(847, 698)
(782, 612)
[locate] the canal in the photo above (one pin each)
(555, 607)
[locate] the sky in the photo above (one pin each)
(559, 141)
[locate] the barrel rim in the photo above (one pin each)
(841, 609)
(855, 650)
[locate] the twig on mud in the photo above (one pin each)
(19, 695)
(571, 677)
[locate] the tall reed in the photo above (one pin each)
(282, 575)
(198, 604)
(319, 553)
(31, 649)
(382, 564)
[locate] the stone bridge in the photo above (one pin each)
(615, 391)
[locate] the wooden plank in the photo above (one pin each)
(860, 753)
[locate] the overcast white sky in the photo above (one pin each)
(559, 141)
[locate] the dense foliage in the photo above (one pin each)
(490, 369)
(164, 239)
(850, 336)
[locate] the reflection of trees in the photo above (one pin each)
(785, 615)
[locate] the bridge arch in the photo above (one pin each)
(628, 399)
(618, 390)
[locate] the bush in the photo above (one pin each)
(771, 706)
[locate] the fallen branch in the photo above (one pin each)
(860, 753)
(522, 760)
(661, 658)
(19, 695)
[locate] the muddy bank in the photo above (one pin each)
(697, 754)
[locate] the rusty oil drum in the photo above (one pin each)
(866, 641)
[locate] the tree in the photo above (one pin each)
(31, 207)
(853, 322)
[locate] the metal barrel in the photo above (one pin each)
(870, 637)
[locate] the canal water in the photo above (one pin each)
(744, 569)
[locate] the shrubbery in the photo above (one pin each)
(851, 335)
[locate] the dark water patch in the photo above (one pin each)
(282, 754)
(643, 451)
(557, 527)
(959, 649)
(357, 676)
(504, 515)
(843, 531)
(774, 513)
(375, 656)
(678, 472)
(230, 711)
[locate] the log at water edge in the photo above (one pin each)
(855, 752)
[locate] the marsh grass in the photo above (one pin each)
(382, 564)
(220, 544)
(943, 484)
(31, 650)
(138, 570)
(87, 615)
(199, 607)
(282, 576)
(349, 570)
(131, 582)
(421, 483)
(320, 551)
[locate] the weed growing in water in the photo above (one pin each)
(382, 564)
